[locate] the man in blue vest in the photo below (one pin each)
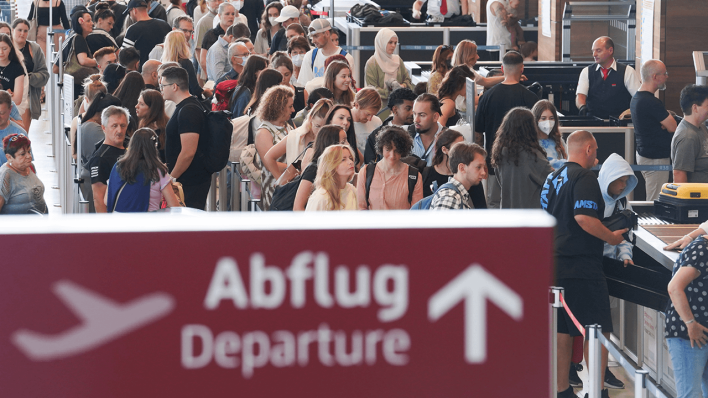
(606, 87)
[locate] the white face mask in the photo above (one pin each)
(272, 21)
(546, 126)
(297, 59)
(237, 5)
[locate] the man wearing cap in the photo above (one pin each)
(288, 15)
(146, 32)
(313, 64)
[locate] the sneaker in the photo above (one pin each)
(573, 377)
(569, 393)
(611, 381)
(605, 394)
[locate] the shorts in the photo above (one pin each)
(589, 301)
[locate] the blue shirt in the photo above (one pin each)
(419, 149)
(11, 129)
(554, 158)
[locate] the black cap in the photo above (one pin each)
(135, 4)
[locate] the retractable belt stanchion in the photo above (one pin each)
(78, 180)
(245, 182)
(223, 190)
(555, 304)
(595, 359)
(235, 187)
(640, 377)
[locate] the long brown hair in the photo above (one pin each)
(265, 23)
(141, 156)
(538, 109)
(517, 133)
(439, 57)
(156, 115)
(445, 139)
(347, 97)
(267, 79)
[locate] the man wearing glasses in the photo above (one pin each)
(183, 23)
(182, 135)
(319, 32)
(238, 54)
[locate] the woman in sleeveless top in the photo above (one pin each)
(40, 10)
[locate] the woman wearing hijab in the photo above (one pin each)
(385, 70)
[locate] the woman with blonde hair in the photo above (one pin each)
(177, 50)
(338, 79)
(442, 63)
(274, 112)
(335, 168)
(466, 54)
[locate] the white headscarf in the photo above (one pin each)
(388, 63)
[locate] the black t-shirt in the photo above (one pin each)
(102, 162)
(98, 39)
(80, 46)
(211, 36)
(493, 106)
(9, 73)
(310, 172)
(575, 191)
(159, 12)
(145, 35)
(647, 114)
(279, 42)
(194, 87)
(29, 62)
(187, 118)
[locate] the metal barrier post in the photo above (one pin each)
(211, 199)
(223, 197)
(235, 187)
(244, 194)
(253, 205)
(79, 161)
(555, 305)
(595, 360)
(640, 388)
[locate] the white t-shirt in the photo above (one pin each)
(363, 130)
(497, 33)
(319, 200)
(308, 72)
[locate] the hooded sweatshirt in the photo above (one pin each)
(613, 168)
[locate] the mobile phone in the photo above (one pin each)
(296, 164)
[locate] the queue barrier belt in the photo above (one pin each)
(572, 317)
(410, 47)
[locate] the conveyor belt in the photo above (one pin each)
(669, 233)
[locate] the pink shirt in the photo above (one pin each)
(388, 191)
(156, 192)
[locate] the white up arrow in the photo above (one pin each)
(475, 285)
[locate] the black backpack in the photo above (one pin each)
(284, 195)
(217, 140)
(412, 180)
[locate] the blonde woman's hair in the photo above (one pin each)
(466, 49)
(175, 48)
(368, 98)
(92, 86)
(319, 109)
(327, 165)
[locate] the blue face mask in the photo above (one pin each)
(244, 60)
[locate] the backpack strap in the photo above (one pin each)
(370, 170)
(344, 53)
(314, 55)
(412, 180)
(251, 139)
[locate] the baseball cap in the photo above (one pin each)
(318, 26)
(135, 4)
(288, 12)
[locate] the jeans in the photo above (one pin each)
(690, 370)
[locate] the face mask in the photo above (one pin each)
(244, 60)
(237, 5)
(546, 126)
(272, 21)
(297, 59)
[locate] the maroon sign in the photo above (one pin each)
(398, 312)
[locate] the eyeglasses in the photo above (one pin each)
(167, 84)
(190, 32)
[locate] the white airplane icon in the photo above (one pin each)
(103, 320)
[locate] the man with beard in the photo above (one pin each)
(400, 102)
(426, 112)
(653, 126)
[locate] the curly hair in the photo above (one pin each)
(327, 165)
(517, 133)
(538, 109)
(274, 103)
(454, 81)
(394, 137)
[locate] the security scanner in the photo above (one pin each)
(700, 60)
(616, 19)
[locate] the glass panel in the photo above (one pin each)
(631, 333)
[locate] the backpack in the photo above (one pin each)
(191, 5)
(314, 55)
(284, 195)
(127, 198)
(217, 140)
(222, 94)
(412, 180)
(242, 135)
(424, 204)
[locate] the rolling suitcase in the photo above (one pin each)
(683, 203)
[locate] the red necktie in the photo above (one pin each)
(605, 72)
(443, 7)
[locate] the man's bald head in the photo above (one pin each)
(605, 41)
(582, 148)
(150, 71)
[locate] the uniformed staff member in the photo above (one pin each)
(606, 87)
(572, 195)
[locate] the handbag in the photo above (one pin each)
(250, 163)
(32, 34)
(73, 68)
(622, 219)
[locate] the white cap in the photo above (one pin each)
(288, 12)
(318, 26)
